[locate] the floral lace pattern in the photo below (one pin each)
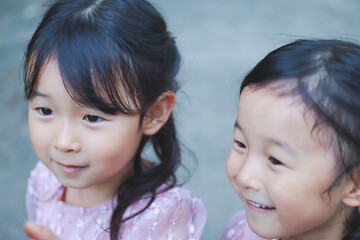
(174, 215)
(237, 228)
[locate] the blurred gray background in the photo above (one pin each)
(219, 41)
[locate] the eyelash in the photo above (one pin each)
(45, 111)
(239, 144)
(90, 118)
(274, 161)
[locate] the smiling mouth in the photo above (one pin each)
(259, 206)
(70, 169)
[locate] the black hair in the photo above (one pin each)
(112, 53)
(326, 75)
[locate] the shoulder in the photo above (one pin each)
(237, 228)
(178, 194)
(42, 183)
(180, 201)
(175, 212)
(172, 201)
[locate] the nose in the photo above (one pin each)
(66, 139)
(250, 174)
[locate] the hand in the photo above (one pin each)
(37, 232)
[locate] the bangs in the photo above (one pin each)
(95, 72)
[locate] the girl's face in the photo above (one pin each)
(83, 147)
(280, 169)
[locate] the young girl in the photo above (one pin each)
(296, 153)
(99, 77)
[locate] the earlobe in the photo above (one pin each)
(352, 198)
(158, 113)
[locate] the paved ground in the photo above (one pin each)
(219, 41)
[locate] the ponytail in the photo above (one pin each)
(147, 181)
(352, 228)
(127, 57)
(325, 75)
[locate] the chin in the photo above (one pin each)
(70, 183)
(74, 184)
(260, 231)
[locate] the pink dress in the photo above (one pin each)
(175, 214)
(237, 228)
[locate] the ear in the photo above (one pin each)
(158, 113)
(352, 198)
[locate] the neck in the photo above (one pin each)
(84, 198)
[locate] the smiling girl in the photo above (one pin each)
(296, 152)
(100, 80)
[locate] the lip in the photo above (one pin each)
(258, 207)
(70, 169)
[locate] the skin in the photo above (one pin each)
(38, 232)
(98, 148)
(277, 161)
(90, 152)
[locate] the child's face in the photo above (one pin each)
(83, 147)
(280, 169)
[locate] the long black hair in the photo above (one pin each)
(326, 75)
(112, 53)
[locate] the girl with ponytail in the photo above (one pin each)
(295, 159)
(100, 80)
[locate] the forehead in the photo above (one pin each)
(49, 68)
(269, 102)
(49, 75)
(50, 84)
(106, 93)
(266, 113)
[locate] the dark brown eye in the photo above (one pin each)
(45, 111)
(239, 144)
(274, 161)
(93, 118)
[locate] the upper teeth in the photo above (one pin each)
(257, 204)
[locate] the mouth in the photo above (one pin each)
(259, 207)
(70, 169)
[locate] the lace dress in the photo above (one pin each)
(237, 228)
(175, 214)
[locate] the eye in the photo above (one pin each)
(274, 161)
(45, 111)
(239, 144)
(93, 118)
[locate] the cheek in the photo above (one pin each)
(287, 190)
(110, 146)
(296, 197)
(232, 166)
(38, 137)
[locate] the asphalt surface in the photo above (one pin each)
(219, 41)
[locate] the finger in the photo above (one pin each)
(38, 232)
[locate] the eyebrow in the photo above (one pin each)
(237, 125)
(283, 145)
(39, 94)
